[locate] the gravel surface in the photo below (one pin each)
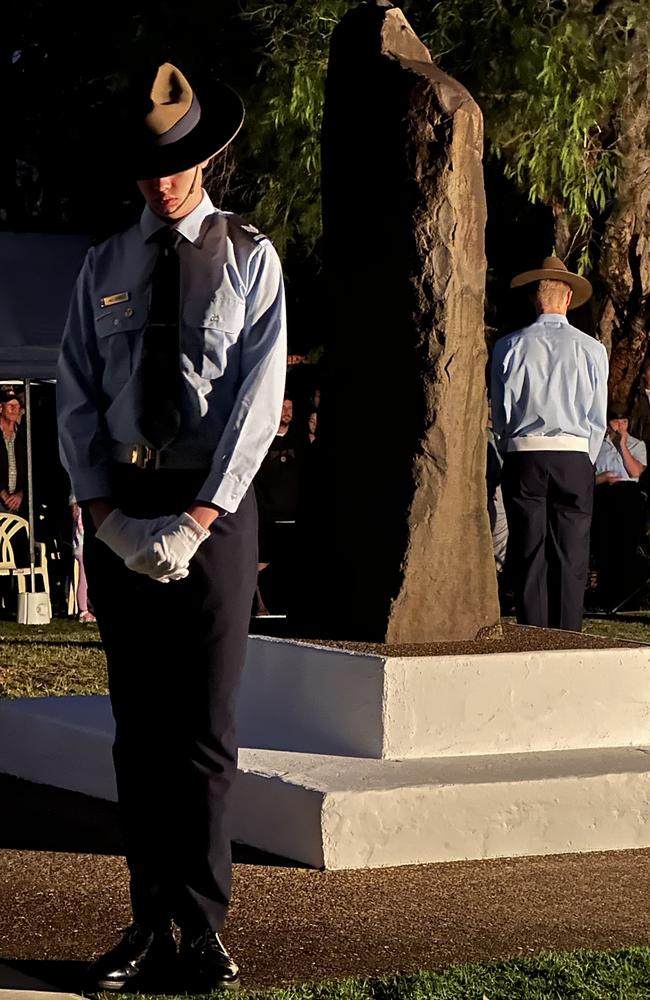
(513, 639)
(63, 898)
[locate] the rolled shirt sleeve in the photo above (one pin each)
(257, 408)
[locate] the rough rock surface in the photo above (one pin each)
(406, 548)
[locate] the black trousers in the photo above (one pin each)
(548, 497)
(617, 530)
(175, 653)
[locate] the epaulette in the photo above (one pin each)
(248, 228)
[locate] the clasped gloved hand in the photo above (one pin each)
(166, 556)
(126, 536)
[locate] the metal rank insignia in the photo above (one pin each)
(114, 300)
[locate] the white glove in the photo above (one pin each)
(166, 556)
(127, 535)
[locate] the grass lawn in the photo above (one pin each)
(66, 657)
(63, 657)
(581, 975)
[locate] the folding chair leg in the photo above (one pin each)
(626, 600)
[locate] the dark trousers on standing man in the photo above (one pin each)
(175, 653)
(548, 497)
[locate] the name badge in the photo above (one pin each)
(114, 300)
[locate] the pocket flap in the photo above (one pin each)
(224, 311)
(119, 319)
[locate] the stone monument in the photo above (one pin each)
(406, 553)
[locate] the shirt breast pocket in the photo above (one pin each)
(117, 331)
(211, 333)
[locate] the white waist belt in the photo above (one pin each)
(540, 442)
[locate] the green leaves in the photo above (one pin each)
(550, 98)
(286, 120)
(550, 77)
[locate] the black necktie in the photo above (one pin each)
(160, 366)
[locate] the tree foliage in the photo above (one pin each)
(287, 107)
(549, 75)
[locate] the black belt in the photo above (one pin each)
(143, 457)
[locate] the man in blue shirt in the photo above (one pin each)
(170, 387)
(549, 409)
(619, 509)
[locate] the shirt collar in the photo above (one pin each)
(553, 318)
(189, 226)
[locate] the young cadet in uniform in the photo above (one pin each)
(549, 412)
(170, 387)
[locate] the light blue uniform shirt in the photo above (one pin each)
(610, 459)
(233, 352)
(549, 388)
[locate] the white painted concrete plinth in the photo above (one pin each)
(351, 812)
(376, 813)
(314, 699)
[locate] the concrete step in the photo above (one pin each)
(342, 812)
(315, 699)
(349, 812)
(310, 699)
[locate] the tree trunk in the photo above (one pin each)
(624, 269)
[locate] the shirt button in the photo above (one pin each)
(128, 312)
(116, 322)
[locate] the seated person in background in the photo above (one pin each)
(639, 410)
(312, 426)
(277, 490)
(13, 456)
(86, 617)
(639, 418)
(619, 509)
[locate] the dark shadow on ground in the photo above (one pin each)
(59, 976)
(44, 818)
(62, 976)
(68, 977)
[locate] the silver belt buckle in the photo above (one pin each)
(145, 457)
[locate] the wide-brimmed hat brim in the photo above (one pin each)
(222, 116)
(581, 288)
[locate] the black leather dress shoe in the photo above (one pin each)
(141, 955)
(206, 965)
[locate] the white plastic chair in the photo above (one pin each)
(10, 525)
